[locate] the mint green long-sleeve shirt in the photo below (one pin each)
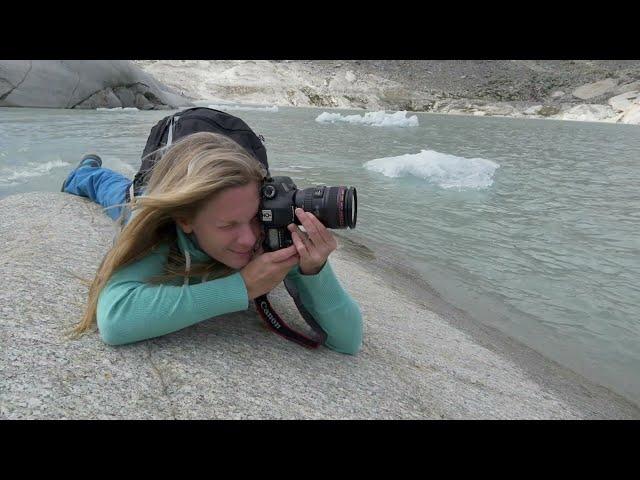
(130, 309)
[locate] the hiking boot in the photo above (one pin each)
(89, 160)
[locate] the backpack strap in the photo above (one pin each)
(172, 126)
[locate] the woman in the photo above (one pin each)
(191, 249)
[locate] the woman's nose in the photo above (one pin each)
(247, 236)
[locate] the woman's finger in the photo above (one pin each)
(282, 254)
(310, 227)
(303, 235)
(300, 245)
(322, 230)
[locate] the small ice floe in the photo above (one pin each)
(117, 109)
(375, 119)
(226, 107)
(295, 168)
(444, 170)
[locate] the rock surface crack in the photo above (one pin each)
(19, 83)
(162, 381)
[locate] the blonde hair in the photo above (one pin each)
(190, 173)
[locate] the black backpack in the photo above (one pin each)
(192, 120)
(202, 119)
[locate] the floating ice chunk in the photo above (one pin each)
(444, 170)
(117, 109)
(376, 119)
(225, 107)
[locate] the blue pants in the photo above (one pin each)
(103, 186)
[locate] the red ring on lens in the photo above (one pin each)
(340, 199)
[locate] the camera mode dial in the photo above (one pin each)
(269, 191)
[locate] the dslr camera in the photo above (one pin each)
(335, 207)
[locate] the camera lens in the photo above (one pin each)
(335, 207)
(351, 207)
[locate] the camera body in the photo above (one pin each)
(335, 207)
(277, 210)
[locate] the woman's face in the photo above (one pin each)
(227, 227)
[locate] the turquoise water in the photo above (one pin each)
(545, 248)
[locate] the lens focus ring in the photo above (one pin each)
(307, 204)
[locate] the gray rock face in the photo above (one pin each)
(82, 84)
(534, 110)
(414, 363)
(125, 95)
(628, 87)
(625, 100)
(595, 89)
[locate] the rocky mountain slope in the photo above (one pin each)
(598, 90)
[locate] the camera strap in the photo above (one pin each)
(293, 291)
(273, 321)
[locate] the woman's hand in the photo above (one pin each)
(314, 246)
(266, 270)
